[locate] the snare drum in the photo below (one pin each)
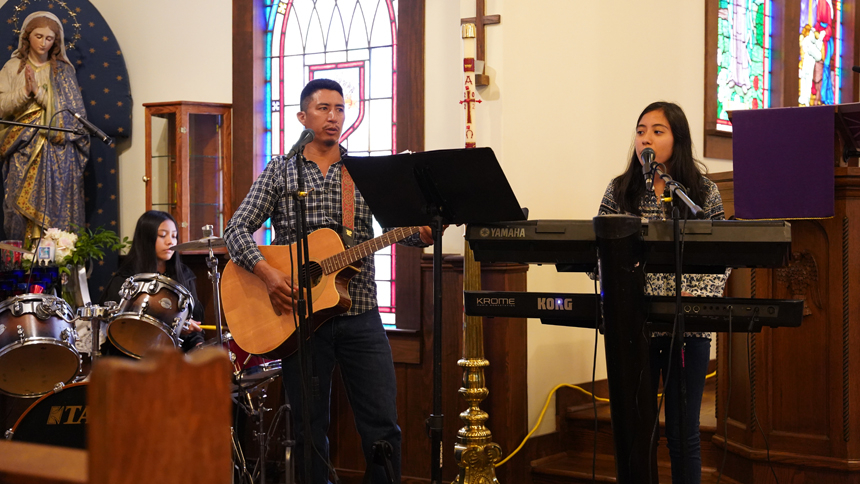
(152, 308)
(58, 418)
(254, 376)
(249, 371)
(37, 345)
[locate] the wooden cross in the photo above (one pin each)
(480, 20)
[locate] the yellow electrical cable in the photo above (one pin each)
(540, 417)
(546, 405)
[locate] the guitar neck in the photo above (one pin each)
(364, 249)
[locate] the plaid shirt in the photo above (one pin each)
(324, 209)
(710, 285)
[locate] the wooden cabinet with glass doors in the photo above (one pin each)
(188, 164)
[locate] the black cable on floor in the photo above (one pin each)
(593, 371)
(728, 400)
(755, 416)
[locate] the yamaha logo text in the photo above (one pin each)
(504, 232)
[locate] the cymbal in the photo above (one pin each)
(201, 244)
(15, 249)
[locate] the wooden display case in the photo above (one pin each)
(189, 164)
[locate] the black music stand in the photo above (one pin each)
(435, 188)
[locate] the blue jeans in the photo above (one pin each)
(697, 353)
(359, 345)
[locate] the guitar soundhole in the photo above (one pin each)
(315, 272)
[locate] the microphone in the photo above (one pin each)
(92, 129)
(856, 69)
(647, 156)
(306, 137)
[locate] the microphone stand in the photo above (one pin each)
(435, 421)
(382, 452)
(677, 191)
(43, 126)
(679, 339)
(304, 308)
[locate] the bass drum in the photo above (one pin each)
(58, 418)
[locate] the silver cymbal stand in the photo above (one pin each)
(215, 277)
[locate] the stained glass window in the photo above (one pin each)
(355, 43)
(820, 73)
(743, 57)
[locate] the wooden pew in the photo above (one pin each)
(24, 463)
(163, 419)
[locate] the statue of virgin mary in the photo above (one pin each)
(42, 169)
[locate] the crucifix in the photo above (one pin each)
(481, 20)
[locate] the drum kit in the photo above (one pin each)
(39, 357)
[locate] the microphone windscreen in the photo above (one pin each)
(306, 137)
(647, 155)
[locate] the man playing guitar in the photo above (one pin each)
(356, 340)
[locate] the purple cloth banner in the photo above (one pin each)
(783, 162)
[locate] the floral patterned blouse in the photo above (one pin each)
(709, 285)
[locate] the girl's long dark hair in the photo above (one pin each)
(141, 257)
(682, 166)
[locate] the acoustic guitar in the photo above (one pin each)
(248, 312)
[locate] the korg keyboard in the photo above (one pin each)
(701, 314)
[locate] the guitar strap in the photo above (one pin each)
(347, 191)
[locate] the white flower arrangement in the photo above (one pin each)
(71, 249)
(56, 246)
(64, 244)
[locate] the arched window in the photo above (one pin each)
(743, 58)
(353, 42)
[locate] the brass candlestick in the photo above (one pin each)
(475, 452)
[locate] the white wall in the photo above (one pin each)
(560, 113)
(174, 51)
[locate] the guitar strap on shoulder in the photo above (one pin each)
(348, 200)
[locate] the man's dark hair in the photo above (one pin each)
(318, 85)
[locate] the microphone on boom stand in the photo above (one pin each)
(93, 129)
(647, 156)
(306, 137)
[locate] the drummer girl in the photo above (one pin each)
(152, 251)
